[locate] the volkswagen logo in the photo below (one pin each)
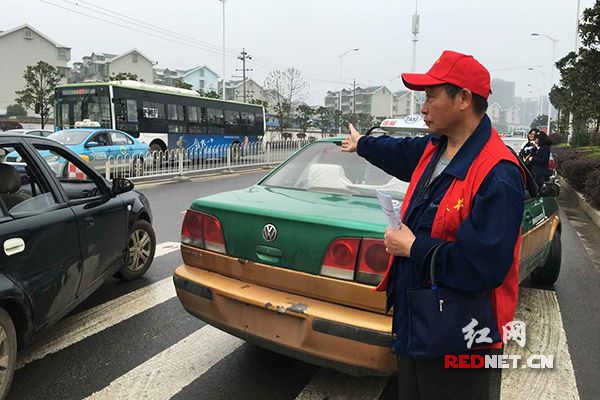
(269, 232)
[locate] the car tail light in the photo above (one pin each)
(551, 163)
(213, 234)
(373, 261)
(340, 259)
(202, 231)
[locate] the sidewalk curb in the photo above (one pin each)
(585, 206)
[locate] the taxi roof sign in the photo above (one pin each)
(87, 123)
(410, 123)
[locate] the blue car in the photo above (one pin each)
(99, 146)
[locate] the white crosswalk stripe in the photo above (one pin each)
(545, 335)
(80, 326)
(170, 371)
(165, 374)
(332, 385)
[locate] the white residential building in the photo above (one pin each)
(234, 90)
(494, 112)
(104, 66)
(201, 78)
(23, 46)
(375, 100)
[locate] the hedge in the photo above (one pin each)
(592, 189)
(577, 171)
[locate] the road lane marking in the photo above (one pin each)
(545, 335)
(166, 248)
(333, 385)
(87, 323)
(165, 374)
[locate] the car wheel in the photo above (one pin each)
(236, 152)
(138, 166)
(158, 153)
(142, 245)
(549, 272)
(8, 352)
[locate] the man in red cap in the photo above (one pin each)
(465, 200)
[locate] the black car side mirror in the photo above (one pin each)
(122, 185)
(549, 189)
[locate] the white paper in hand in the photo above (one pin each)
(391, 209)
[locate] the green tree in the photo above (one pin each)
(365, 121)
(210, 95)
(541, 121)
(304, 117)
(40, 81)
(125, 76)
(263, 103)
(559, 96)
(283, 88)
(580, 80)
(324, 114)
(183, 85)
(16, 110)
(350, 118)
(337, 116)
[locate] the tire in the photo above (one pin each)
(549, 272)
(140, 256)
(158, 153)
(137, 167)
(236, 152)
(8, 349)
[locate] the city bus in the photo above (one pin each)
(163, 117)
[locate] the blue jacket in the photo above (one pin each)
(483, 252)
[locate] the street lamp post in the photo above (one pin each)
(415, 38)
(540, 89)
(553, 40)
(539, 95)
(342, 84)
(223, 79)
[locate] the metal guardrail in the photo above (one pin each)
(162, 164)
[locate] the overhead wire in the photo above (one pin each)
(177, 37)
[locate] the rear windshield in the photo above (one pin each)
(70, 137)
(323, 167)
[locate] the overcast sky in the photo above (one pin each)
(311, 34)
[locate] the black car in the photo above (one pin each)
(62, 237)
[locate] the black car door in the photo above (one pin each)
(39, 235)
(101, 217)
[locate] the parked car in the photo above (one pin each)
(6, 125)
(62, 238)
(290, 263)
(34, 132)
(100, 146)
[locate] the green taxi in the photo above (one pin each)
(290, 263)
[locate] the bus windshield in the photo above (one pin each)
(77, 104)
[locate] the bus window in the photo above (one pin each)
(220, 117)
(258, 120)
(248, 119)
(177, 129)
(175, 112)
(212, 118)
(127, 117)
(197, 129)
(231, 117)
(202, 115)
(192, 113)
(153, 110)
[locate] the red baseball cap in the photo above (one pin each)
(455, 68)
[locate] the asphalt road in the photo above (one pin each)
(134, 340)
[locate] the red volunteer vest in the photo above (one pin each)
(455, 208)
